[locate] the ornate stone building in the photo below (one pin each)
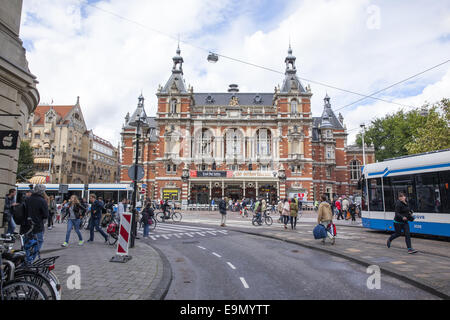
(202, 146)
(65, 151)
(18, 93)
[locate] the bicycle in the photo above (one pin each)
(258, 220)
(13, 285)
(175, 216)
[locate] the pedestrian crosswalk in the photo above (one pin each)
(165, 231)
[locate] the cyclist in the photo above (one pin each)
(258, 209)
(165, 206)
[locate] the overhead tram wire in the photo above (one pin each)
(397, 83)
(228, 57)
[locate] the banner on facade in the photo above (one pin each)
(211, 174)
(256, 174)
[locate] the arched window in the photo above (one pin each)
(294, 105)
(204, 142)
(173, 106)
(264, 139)
(233, 142)
(355, 169)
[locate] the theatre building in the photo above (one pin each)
(203, 146)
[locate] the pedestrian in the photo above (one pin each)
(339, 208)
(286, 212)
(96, 215)
(300, 206)
(345, 207)
(403, 215)
(121, 209)
(147, 214)
(223, 211)
(8, 211)
(165, 206)
(37, 211)
(280, 211)
(51, 211)
(293, 213)
(325, 217)
(263, 205)
(75, 212)
(352, 210)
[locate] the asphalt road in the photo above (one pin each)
(236, 266)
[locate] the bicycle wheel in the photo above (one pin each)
(41, 280)
(176, 217)
(268, 220)
(153, 225)
(112, 239)
(23, 290)
(255, 221)
(160, 217)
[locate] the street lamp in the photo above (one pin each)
(363, 127)
(140, 120)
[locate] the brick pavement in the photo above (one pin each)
(146, 276)
(429, 269)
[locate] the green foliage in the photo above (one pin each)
(420, 130)
(26, 161)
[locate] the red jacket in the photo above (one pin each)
(338, 205)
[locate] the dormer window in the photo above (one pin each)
(257, 99)
(209, 99)
(294, 106)
(173, 106)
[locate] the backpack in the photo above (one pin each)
(20, 213)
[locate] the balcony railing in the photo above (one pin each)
(41, 154)
(296, 156)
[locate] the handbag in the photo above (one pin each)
(320, 232)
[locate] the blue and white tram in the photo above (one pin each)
(115, 192)
(424, 178)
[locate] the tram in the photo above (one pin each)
(115, 192)
(424, 178)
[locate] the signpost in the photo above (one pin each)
(140, 172)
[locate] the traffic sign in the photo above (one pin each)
(140, 172)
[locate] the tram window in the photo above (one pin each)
(375, 196)
(122, 195)
(428, 195)
(405, 184)
(389, 199)
(444, 184)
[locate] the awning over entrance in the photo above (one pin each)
(42, 160)
(37, 180)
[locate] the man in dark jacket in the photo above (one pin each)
(223, 211)
(8, 210)
(37, 211)
(96, 215)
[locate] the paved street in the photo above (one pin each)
(237, 266)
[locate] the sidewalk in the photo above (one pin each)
(146, 276)
(429, 269)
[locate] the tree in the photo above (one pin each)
(419, 130)
(435, 133)
(25, 167)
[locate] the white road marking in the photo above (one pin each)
(212, 232)
(153, 237)
(165, 237)
(217, 255)
(244, 283)
(231, 266)
(200, 233)
(190, 235)
(203, 248)
(177, 235)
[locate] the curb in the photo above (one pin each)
(360, 261)
(160, 292)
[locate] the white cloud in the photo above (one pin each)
(108, 61)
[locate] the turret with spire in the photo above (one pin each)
(176, 81)
(291, 81)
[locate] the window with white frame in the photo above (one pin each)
(171, 168)
(328, 172)
(173, 106)
(263, 142)
(204, 142)
(329, 152)
(233, 142)
(355, 169)
(294, 105)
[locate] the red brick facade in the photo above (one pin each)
(203, 146)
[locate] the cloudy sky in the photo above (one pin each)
(109, 53)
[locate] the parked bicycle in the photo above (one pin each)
(175, 216)
(20, 266)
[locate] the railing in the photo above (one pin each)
(296, 156)
(43, 154)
